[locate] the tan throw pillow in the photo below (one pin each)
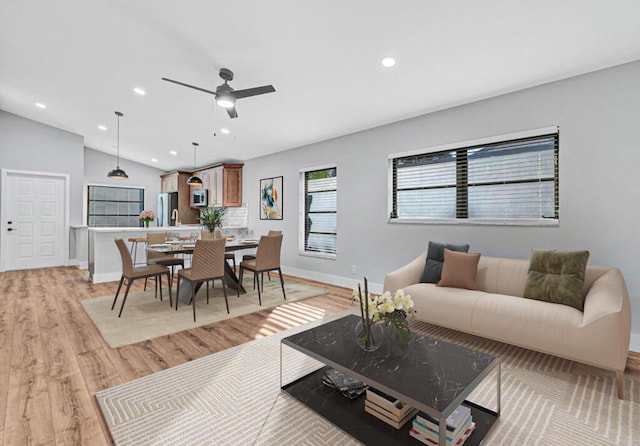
(557, 276)
(459, 270)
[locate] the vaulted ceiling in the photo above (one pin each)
(82, 59)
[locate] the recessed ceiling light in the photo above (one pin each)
(40, 105)
(139, 91)
(388, 62)
(103, 128)
(173, 152)
(225, 131)
(155, 160)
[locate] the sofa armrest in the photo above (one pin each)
(607, 295)
(406, 275)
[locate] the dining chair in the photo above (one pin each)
(157, 258)
(267, 259)
(253, 256)
(131, 273)
(207, 264)
(218, 235)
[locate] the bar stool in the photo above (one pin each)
(134, 246)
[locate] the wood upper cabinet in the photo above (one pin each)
(169, 182)
(223, 183)
(232, 185)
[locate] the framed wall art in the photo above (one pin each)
(271, 198)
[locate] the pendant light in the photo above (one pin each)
(194, 180)
(117, 172)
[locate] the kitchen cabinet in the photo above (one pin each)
(177, 182)
(223, 183)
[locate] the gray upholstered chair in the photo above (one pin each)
(157, 258)
(207, 264)
(131, 273)
(267, 259)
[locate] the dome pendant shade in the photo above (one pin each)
(118, 173)
(193, 180)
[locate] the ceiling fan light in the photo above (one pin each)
(225, 101)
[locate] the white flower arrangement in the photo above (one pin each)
(391, 309)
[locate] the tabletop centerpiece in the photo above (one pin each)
(147, 216)
(386, 310)
(211, 218)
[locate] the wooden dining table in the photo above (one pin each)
(187, 247)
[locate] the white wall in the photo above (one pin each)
(598, 115)
(97, 164)
(30, 145)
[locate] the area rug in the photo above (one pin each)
(146, 317)
(233, 398)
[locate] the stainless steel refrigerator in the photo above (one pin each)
(167, 204)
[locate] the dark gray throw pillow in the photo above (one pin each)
(435, 259)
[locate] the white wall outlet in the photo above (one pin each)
(353, 269)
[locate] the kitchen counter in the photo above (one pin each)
(104, 259)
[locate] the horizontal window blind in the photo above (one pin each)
(320, 226)
(512, 180)
(114, 206)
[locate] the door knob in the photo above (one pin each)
(9, 229)
(9, 222)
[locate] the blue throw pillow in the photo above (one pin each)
(435, 259)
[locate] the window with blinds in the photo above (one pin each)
(114, 206)
(511, 180)
(320, 211)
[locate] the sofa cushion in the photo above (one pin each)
(557, 276)
(459, 270)
(435, 258)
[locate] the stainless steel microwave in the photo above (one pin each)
(199, 197)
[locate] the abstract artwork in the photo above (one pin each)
(271, 198)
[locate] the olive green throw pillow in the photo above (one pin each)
(557, 276)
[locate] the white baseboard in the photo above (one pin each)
(345, 282)
(78, 264)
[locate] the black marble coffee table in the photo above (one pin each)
(429, 374)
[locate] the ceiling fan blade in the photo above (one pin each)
(189, 86)
(232, 112)
(239, 94)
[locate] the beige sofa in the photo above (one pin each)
(599, 336)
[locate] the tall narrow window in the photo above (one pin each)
(507, 180)
(114, 206)
(319, 194)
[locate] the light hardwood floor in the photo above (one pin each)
(53, 359)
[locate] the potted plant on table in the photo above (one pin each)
(211, 218)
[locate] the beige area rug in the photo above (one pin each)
(145, 317)
(233, 398)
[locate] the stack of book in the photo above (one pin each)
(459, 426)
(347, 385)
(387, 408)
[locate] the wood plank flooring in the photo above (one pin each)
(53, 359)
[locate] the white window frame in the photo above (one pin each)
(460, 145)
(301, 213)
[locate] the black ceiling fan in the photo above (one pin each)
(225, 95)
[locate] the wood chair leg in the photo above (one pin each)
(620, 383)
(126, 293)
(117, 292)
(224, 290)
(282, 283)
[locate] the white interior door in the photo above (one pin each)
(35, 220)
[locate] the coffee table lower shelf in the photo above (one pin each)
(349, 415)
